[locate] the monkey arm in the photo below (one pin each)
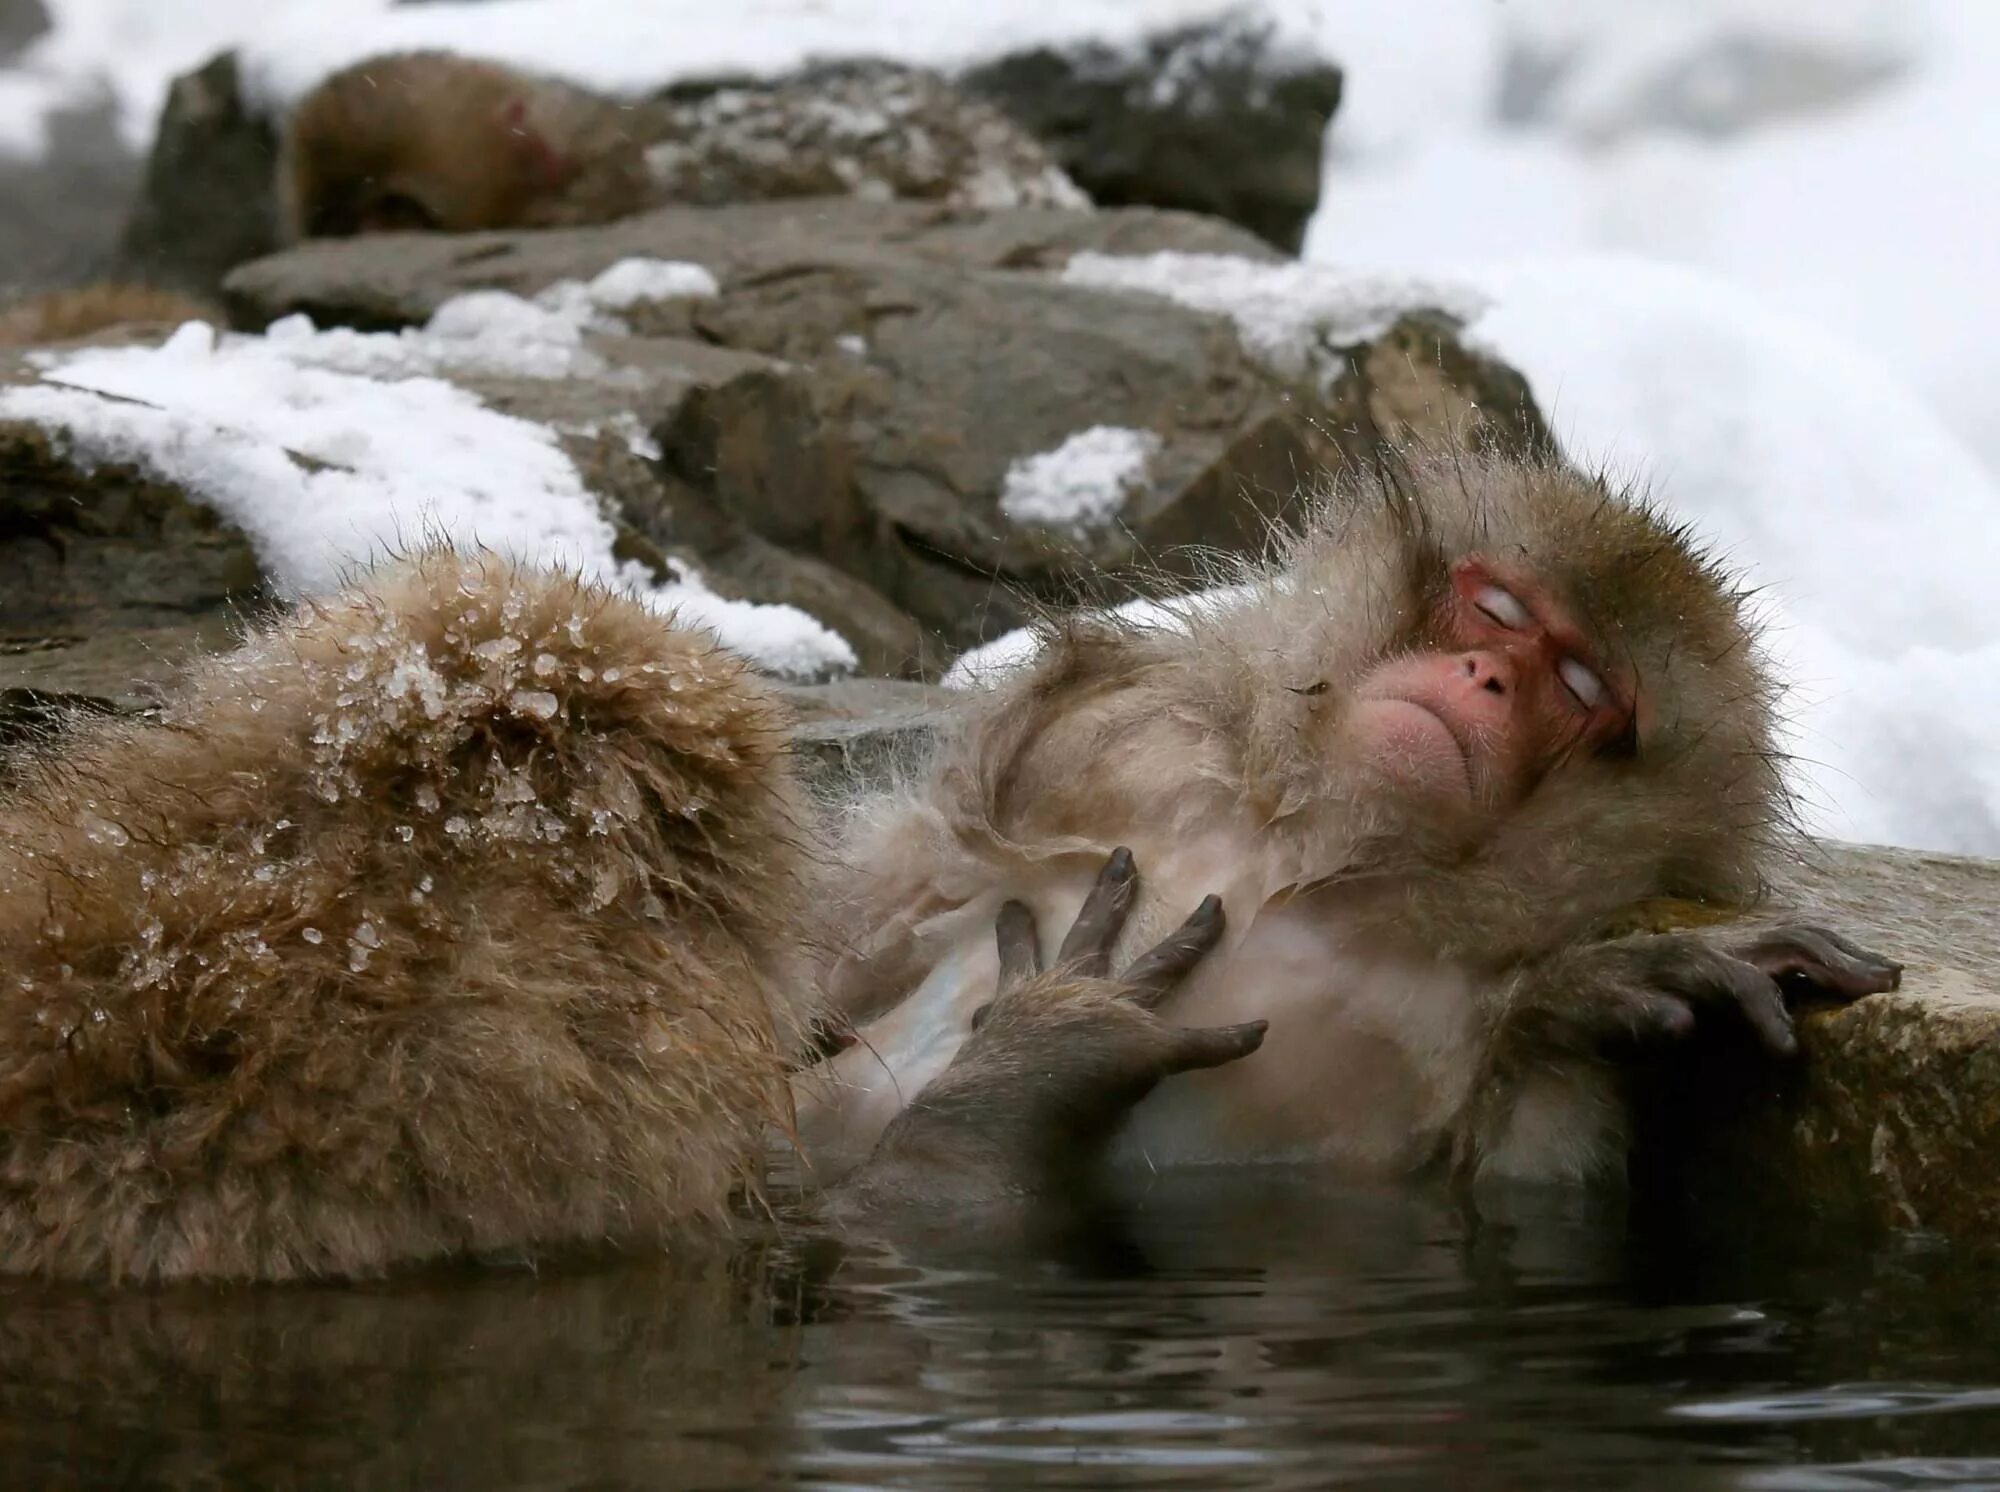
(1565, 1020)
(1053, 1064)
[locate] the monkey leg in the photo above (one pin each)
(454, 916)
(1545, 1089)
(1053, 1063)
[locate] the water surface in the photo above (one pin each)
(1257, 1330)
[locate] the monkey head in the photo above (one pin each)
(428, 140)
(1518, 676)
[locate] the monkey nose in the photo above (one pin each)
(1488, 671)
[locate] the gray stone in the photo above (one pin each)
(394, 280)
(113, 583)
(207, 202)
(1213, 118)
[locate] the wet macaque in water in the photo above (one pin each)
(1467, 722)
(429, 140)
(463, 914)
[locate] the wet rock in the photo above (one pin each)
(1892, 1113)
(1215, 118)
(113, 582)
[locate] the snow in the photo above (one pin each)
(1082, 484)
(1291, 317)
(1834, 157)
(630, 282)
(498, 332)
(331, 449)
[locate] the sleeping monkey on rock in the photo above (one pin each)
(1459, 730)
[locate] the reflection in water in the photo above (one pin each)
(1263, 1330)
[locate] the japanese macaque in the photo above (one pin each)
(1449, 739)
(430, 140)
(84, 310)
(453, 916)
(463, 915)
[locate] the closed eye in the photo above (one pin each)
(1586, 686)
(1501, 606)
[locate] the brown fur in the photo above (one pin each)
(61, 315)
(433, 140)
(452, 916)
(1171, 720)
(1153, 736)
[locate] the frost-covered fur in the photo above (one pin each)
(452, 916)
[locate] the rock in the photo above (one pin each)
(207, 200)
(1892, 1114)
(112, 583)
(873, 129)
(895, 363)
(1213, 118)
(397, 280)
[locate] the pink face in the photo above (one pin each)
(1515, 687)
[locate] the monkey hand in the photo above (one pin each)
(1055, 1060)
(1659, 984)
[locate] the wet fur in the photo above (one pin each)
(1152, 735)
(453, 916)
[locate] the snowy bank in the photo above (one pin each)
(331, 449)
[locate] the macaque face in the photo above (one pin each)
(1508, 690)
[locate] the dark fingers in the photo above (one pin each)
(1825, 958)
(1757, 995)
(1087, 949)
(1161, 967)
(1020, 957)
(1212, 1046)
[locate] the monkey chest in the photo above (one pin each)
(1371, 1052)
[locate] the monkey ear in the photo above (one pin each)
(541, 164)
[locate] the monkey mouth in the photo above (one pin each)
(1429, 741)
